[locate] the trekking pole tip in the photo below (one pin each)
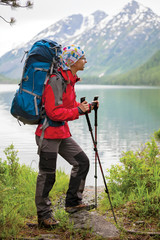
(82, 99)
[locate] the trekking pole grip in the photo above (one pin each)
(82, 99)
(95, 109)
(87, 117)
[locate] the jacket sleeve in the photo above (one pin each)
(76, 104)
(52, 99)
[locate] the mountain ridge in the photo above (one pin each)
(113, 45)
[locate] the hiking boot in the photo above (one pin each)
(79, 208)
(47, 223)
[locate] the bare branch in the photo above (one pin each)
(14, 4)
(12, 20)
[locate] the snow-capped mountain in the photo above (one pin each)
(70, 27)
(113, 45)
(123, 42)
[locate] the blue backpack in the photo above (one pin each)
(42, 60)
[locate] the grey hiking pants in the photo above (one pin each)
(74, 155)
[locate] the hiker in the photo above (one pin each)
(60, 104)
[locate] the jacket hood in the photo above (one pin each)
(68, 76)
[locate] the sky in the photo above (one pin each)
(29, 22)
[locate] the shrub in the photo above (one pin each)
(17, 193)
(157, 135)
(137, 180)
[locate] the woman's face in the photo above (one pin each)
(79, 65)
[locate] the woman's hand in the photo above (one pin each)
(84, 106)
(94, 104)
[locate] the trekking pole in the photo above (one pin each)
(96, 152)
(95, 137)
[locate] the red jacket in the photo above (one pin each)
(59, 100)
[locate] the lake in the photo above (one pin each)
(127, 118)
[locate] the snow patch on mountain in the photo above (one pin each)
(113, 44)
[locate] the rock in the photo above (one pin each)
(102, 227)
(92, 220)
(96, 223)
(140, 222)
(48, 237)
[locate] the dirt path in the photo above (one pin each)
(91, 222)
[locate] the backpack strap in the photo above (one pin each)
(62, 88)
(45, 123)
(44, 126)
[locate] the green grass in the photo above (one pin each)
(134, 184)
(134, 188)
(17, 193)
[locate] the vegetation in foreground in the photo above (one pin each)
(134, 187)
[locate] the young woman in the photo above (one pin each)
(60, 104)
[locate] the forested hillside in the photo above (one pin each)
(147, 74)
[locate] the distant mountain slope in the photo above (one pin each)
(113, 45)
(6, 80)
(147, 74)
(61, 31)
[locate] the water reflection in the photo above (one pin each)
(126, 118)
